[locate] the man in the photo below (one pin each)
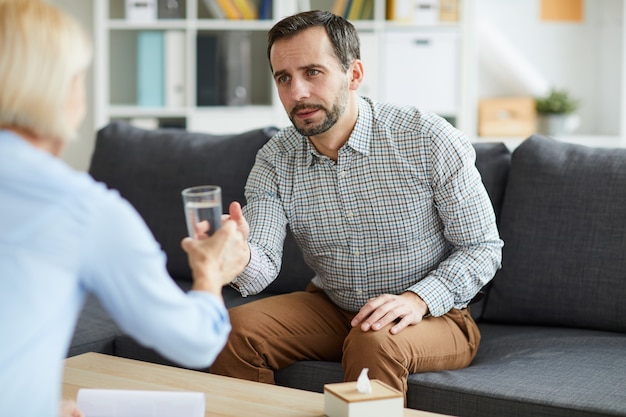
(388, 209)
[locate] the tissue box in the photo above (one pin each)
(343, 400)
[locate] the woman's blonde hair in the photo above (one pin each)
(42, 50)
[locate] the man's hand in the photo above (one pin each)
(217, 260)
(69, 408)
(236, 215)
(405, 310)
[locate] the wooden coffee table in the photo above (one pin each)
(225, 397)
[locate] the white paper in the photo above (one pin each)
(363, 384)
(136, 403)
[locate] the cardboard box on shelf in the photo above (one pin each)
(507, 117)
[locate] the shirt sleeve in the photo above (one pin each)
(268, 224)
(469, 225)
(125, 268)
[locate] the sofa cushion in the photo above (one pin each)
(531, 371)
(95, 330)
(564, 226)
(151, 167)
(518, 371)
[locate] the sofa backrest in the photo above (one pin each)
(563, 221)
(493, 160)
(150, 168)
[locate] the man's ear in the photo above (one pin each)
(355, 72)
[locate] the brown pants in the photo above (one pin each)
(275, 332)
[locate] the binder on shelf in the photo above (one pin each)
(235, 49)
(207, 70)
(150, 69)
(171, 9)
(141, 10)
(175, 64)
(223, 69)
(214, 9)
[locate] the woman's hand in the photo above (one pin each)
(218, 259)
(69, 408)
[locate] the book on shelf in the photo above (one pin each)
(214, 9)
(354, 12)
(150, 71)
(354, 9)
(230, 9)
(361, 10)
(171, 9)
(247, 9)
(265, 9)
(367, 13)
(175, 65)
(237, 9)
(340, 7)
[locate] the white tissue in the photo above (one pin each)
(363, 384)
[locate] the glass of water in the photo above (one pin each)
(203, 210)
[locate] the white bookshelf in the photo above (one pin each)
(114, 72)
(115, 65)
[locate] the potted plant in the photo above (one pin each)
(553, 111)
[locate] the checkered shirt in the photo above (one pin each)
(402, 209)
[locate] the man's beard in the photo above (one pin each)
(332, 115)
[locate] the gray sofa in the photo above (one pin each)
(553, 320)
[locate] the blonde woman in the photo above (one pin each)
(62, 235)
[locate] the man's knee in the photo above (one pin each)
(362, 347)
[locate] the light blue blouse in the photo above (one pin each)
(62, 236)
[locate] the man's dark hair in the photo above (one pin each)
(342, 33)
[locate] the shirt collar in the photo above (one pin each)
(359, 139)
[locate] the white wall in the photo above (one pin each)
(584, 57)
(78, 153)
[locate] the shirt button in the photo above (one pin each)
(350, 214)
(356, 253)
(342, 174)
